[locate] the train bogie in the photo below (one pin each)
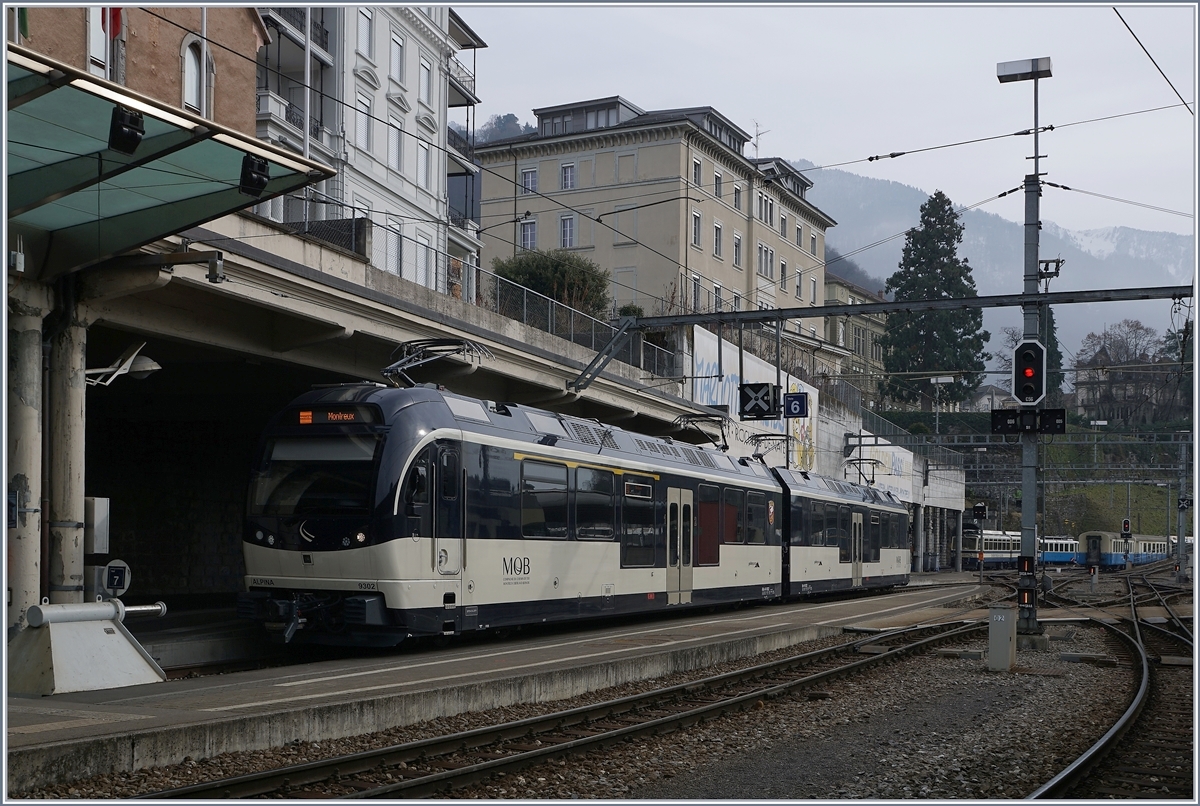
(379, 514)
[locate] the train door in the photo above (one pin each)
(416, 515)
(680, 527)
(449, 527)
(856, 548)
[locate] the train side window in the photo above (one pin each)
(595, 508)
(816, 534)
(543, 499)
(873, 539)
(449, 473)
(799, 527)
(686, 529)
(708, 525)
(673, 534)
(637, 516)
(732, 515)
(416, 488)
(843, 533)
(756, 518)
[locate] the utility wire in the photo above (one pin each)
(1122, 201)
(1160, 70)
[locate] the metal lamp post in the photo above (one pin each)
(1027, 624)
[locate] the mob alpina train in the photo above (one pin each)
(378, 514)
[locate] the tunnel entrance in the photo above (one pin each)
(172, 452)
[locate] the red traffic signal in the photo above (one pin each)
(1029, 372)
(1125, 528)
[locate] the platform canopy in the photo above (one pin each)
(75, 200)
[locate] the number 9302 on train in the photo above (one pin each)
(378, 514)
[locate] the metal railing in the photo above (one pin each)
(459, 143)
(294, 17)
(934, 453)
(461, 73)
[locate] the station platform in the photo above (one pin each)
(322, 695)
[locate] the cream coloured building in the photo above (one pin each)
(666, 200)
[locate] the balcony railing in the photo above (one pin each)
(461, 73)
(295, 18)
(459, 143)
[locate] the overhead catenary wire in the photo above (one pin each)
(1152, 61)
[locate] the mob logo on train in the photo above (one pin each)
(515, 566)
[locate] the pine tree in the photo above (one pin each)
(946, 342)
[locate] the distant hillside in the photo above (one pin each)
(873, 214)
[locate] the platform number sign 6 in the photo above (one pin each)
(795, 404)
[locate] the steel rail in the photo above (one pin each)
(441, 782)
(1062, 783)
(345, 766)
(1170, 611)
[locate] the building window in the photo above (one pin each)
(766, 262)
(425, 268)
(397, 60)
(424, 165)
(426, 82)
(695, 229)
(717, 301)
(98, 44)
(568, 176)
(696, 173)
(365, 23)
(799, 284)
(567, 232)
(783, 225)
(812, 244)
(737, 198)
(529, 235)
(394, 247)
(395, 144)
(717, 185)
(529, 180)
(362, 122)
(783, 275)
(813, 300)
(860, 341)
(799, 236)
(717, 240)
(695, 292)
(193, 79)
(737, 250)
(737, 302)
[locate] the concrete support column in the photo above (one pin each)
(958, 527)
(67, 396)
(919, 538)
(28, 304)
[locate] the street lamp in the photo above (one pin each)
(1006, 72)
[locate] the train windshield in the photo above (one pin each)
(327, 475)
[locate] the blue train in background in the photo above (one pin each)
(1115, 550)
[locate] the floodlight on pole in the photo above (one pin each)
(1007, 72)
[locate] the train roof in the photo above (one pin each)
(542, 427)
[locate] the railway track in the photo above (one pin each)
(443, 764)
(1149, 752)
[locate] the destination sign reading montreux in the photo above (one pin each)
(322, 416)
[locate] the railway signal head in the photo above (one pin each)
(1029, 372)
(1126, 531)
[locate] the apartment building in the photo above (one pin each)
(666, 200)
(384, 84)
(857, 335)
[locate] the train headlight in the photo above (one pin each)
(258, 535)
(270, 540)
(360, 537)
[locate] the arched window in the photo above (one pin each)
(193, 79)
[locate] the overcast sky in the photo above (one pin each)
(835, 85)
